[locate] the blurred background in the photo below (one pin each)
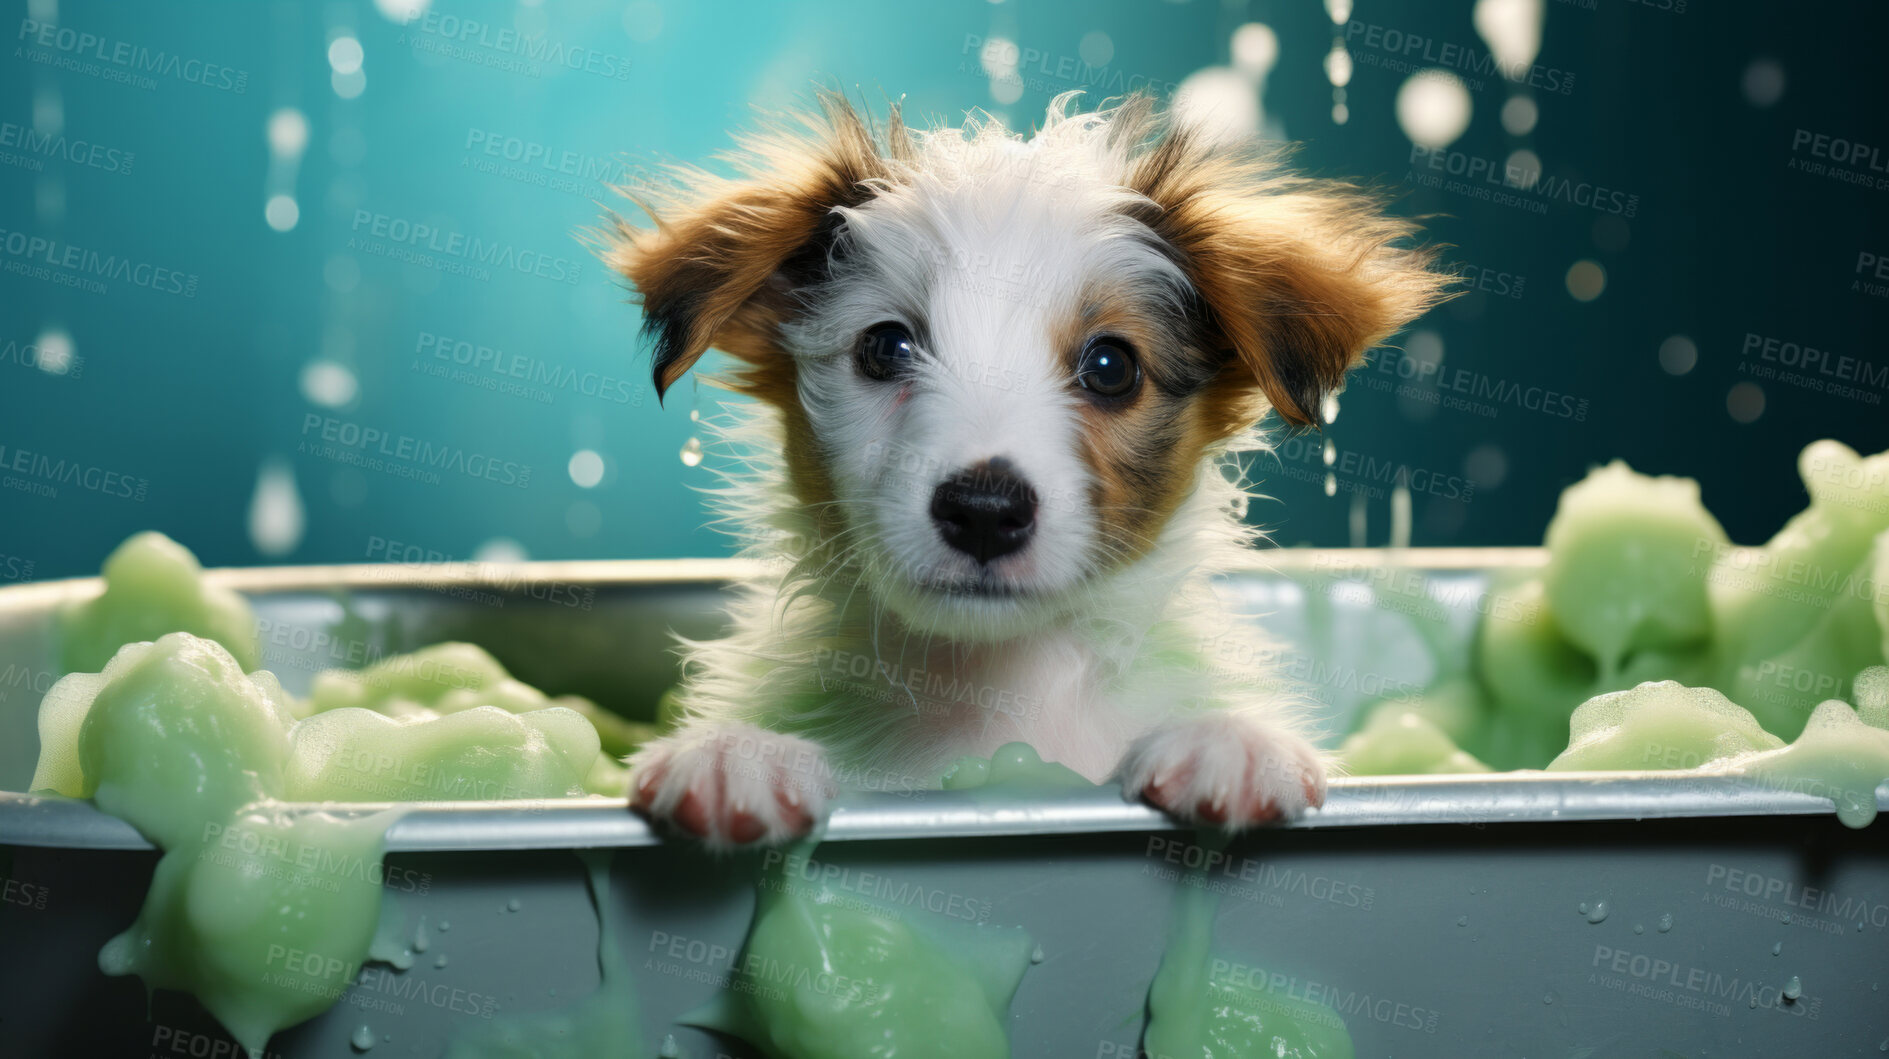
(303, 282)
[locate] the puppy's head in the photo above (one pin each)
(1001, 363)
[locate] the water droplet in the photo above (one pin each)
(444, 926)
(420, 940)
(1665, 922)
(1462, 921)
(1583, 907)
(1793, 988)
(692, 452)
(1328, 409)
(670, 1049)
(1331, 452)
(1598, 913)
(276, 518)
(514, 905)
(441, 962)
(1639, 928)
(1037, 955)
(363, 1038)
(1778, 949)
(1331, 484)
(1547, 998)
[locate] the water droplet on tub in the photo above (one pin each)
(1462, 921)
(514, 905)
(1778, 949)
(1639, 928)
(1793, 988)
(444, 926)
(692, 452)
(420, 940)
(670, 1049)
(1598, 913)
(1037, 955)
(363, 1039)
(1547, 998)
(441, 962)
(1583, 907)
(1665, 922)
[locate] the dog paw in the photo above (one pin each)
(731, 785)
(1227, 771)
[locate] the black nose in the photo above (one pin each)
(985, 511)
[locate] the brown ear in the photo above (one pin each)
(1299, 278)
(717, 268)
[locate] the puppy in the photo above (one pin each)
(999, 384)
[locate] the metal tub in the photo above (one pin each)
(1440, 916)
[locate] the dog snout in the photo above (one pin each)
(986, 510)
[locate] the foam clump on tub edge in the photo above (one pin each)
(1842, 753)
(263, 913)
(153, 586)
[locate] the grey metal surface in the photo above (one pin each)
(1439, 915)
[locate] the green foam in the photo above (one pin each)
(830, 975)
(1013, 765)
(1624, 568)
(1203, 1007)
(1660, 726)
(1839, 756)
(1399, 741)
(153, 586)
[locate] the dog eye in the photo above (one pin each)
(885, 351)
(1108, 368)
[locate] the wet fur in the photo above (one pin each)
(858, 664)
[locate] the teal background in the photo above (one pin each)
(194, 395)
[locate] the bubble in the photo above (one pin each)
(328, 384)
(1586, 280)
(275, 512)
(1677, 355)
(54, 351)
(692, 452)
(282, 213)
(288, 133)
(586, 468)
(1512, 29)
(1255, 50)
(1523, 168)
(402, 10)
(1487, 466)
(1433, 107)
(1338, 64)
(1222, 101)
(1745, 402)
(348, 86)
(498, 550)
(1519, 116)
(1764, 82)
(345, 55)
(1096, 48)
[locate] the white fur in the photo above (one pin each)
(861, 646)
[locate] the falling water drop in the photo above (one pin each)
(1400, 513)
(276, 519)
(1331, 452)
(692, 452)
(1328, 409)
(1331, 484)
